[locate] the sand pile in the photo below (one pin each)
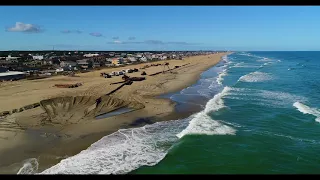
(70, 110)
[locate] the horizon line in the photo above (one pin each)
(156, 50)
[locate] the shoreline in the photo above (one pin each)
(156, 109)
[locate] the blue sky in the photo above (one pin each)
(242, 28)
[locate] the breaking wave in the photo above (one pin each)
(308, 110)
(263, 97)
(264, 60)
(221, 75)
(256, 77)
(30, 166)
(202, 123)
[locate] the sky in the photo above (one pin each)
(236, 28)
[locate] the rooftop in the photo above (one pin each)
(10, 73)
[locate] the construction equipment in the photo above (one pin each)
(68, 85)
(164, 67)
(127, 78)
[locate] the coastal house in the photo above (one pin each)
(132, 59)
(173, 56)
(96, 65)
(68, 64)
(33, 63)
(47, 62)
(117, 61)
(143, 59)
(163, 57)
(126, 61)
(138, 55)
(37, 57)
(90, 55)
(108, 63)
(155, 57)
(59, 70)
(10, 58)
(83, 63)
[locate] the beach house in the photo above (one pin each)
(96, 64)
(83, 63)
(68, 65)
(143, 58)
(37, 57)
(117, 61)
(90, 55)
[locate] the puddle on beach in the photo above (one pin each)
(114, 113)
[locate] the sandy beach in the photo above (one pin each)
(64, 123)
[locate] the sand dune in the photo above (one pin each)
(68, 110)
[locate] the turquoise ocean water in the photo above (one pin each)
(259, 114)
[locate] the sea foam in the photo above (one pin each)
(263, 97)
(202, 123)
(308, 110)
(256, 77)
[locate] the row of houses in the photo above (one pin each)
(76, 61)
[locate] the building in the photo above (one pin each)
(96, 65)
(59, 70)
(132, 59)
(164, 57)
(83, 63)
(138, 55)
(67, 63)
(117, 61)
(90, 55)
(12, 75)
(10, 58)
(48, 62)
(37, 57)
(143, 59)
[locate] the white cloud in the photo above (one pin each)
(117, 42)
(22, 27)
(96, 34)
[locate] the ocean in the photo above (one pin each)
(259, 114)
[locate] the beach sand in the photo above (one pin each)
(65, 122)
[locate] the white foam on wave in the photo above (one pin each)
(129, 149)
(202, 123)
(124, 150)
(264, 59)
(308, 110)
(220, 76)
(288, 136)
(267, 63)
(30, 166)
(264, 97)
(256, 77)
(243, 65)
